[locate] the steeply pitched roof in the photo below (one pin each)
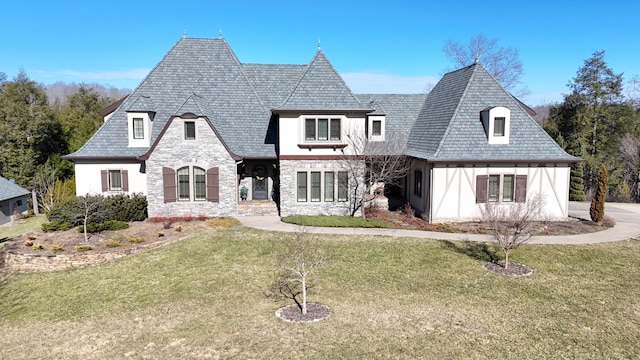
(321, 88)
(208, 69)
(400, 110)
(9, 190)
(274, 82)
(449, 126)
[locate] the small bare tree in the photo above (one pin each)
(372, 164)
(50, 190)
(90, 210)
(513, 225)
(296, 261)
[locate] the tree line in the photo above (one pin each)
(37, 130)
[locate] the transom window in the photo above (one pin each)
(138, 128)
(189, 130)
(322, 129)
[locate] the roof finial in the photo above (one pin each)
(184, 33)
(475, 60)
(220, 33)
(319, 48)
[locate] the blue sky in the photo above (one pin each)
(377, 46)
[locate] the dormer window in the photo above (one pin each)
(375, 127)
(322, 129)
(497, 123)
(139, 125)
(138, 128)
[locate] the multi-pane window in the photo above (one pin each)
(302, 186)
(138, 128)
(315, 186)
(498, 126)
(321, 129)
(199, 184)
(183, 184)
(115, 180)
(328, 185)
(501, 188)
(376, 128)
(343, 185)
(189, 130)
(417, 183)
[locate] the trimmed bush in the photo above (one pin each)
(56, 226)
(597, 203)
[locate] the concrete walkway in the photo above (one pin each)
(626, 216)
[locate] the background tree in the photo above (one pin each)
(30, 134)
(593, 118)
(513, 226)
(630, 154)
(596, 211)
(503, 63)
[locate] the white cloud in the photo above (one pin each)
(379, 83)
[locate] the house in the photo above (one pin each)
(13, 200)
(202, 129)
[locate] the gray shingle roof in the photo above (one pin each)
(321, 88)
(208, 69)
(449, 126)
(401, 110)
(9, 190)
(274, 82)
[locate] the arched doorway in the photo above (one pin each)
(260, 183)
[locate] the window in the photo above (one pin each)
(343, 185)
(177, 184)
(315, 186)
(189, 130)
(501, 188)
(376, 128)
(302, 186)
(199, 184)
(138, 128)
(115, 180)
(19, 203)
(417, 183)
(498, 126)
(328, 186)
(321, 129)
(183, 184)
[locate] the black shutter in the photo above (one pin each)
(482, 188)
(213, 185)
(104, 176)
(125, 180)
(521, 188)
(169, 184)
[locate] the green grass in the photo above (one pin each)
(34, 223)
(335, 221)
(396, 298)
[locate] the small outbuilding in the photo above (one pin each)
(13, 200)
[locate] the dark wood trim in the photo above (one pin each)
(322, 146)
(319, 157)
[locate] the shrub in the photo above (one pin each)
(107, 225)
(56, 226)
(38, 247)
(135, 240)
(57, 248)
(127, 208)
(82, 248)
(113, 243)
(597, 203)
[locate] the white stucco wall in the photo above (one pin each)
(88, 180)
(453, 194)
(291, 135)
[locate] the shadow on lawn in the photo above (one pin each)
(475, 250)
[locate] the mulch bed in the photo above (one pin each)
(514, 269)
(293, 313)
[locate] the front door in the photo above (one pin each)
(260, 183)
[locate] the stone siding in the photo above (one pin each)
(205, 152)
(289, 204)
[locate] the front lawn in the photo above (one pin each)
(396, 298)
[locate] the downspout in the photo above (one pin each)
(238, 162)
(430, 200)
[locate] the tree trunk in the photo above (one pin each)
(506, 259)
(304, 295)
